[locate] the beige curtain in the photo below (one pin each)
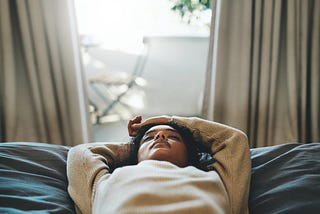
(265, 64)
(43, 98)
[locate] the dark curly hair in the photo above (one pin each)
(192, 150)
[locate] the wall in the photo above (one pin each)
(175, 72)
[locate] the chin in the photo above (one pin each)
(160, 154)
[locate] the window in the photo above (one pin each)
(142, 58)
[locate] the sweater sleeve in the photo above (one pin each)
(230, 149)
(87, 164)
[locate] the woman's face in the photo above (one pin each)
(163, 143)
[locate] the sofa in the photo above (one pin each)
(285, 178)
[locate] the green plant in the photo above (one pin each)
(190, 9)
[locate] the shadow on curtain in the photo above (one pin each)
(264, 70)
(43, 98)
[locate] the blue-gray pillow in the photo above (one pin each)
(33, 178)
(285, 179)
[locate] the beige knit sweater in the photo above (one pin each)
(89, 165)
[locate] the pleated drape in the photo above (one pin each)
(43, 92)
(266, 70)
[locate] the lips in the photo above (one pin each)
(160, 144)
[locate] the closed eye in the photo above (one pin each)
(174, 137)
(147, 139)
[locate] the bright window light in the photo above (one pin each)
(121, 25)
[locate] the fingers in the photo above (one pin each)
(134, 125)
(137, 119)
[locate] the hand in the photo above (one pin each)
(136, 123)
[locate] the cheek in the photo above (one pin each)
(142, 152)
(181, 150)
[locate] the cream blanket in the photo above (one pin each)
(93, 188)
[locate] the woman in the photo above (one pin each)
(166, 178)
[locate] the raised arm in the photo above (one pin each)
(87, 164)
(229, 147)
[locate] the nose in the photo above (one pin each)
(160, 135)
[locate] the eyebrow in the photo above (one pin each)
(168, 129)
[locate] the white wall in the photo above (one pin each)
(175, 71)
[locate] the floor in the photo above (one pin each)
(111, 132)
(114, 131)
